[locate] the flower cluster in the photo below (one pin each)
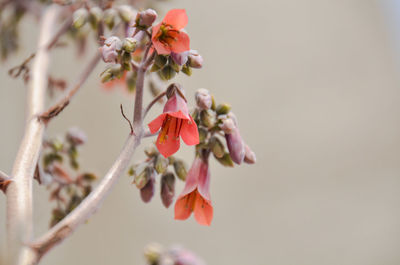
(68, 186)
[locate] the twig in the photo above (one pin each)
(5, 180)
(19, 192)
(154, 101)
(64, 101)
(123, 115)
(89, 205)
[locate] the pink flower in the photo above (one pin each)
(175, 121)
(168, 36)
(195, 197)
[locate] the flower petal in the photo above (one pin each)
(203, 211)
(182, 43)
(203, 184)
(189, 132)
(161, 48)
(175, 104)
(169, 146)
(155, 125)
(183, 206)
(177, 18)
(192, 178)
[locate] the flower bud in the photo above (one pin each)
(125, 12)
(206, 118)
(109, 17)
(174, 66)
(223, 109)
(180, 169)
(186, 70)
(109, 51)
(195, 59)
(202, 134)
(76, 136)
(167, 73)
(225, 160)
(79, 18)
(126, 61)
(151, 150)
(249, 155)
(143, 178)
(146, 18)
(217, 147)
(183, 256)
(161, 164)
(227, 125)
(235, 146)
(203, 99)
(167, 189)
(180, 58)
(129, 45)
(95, 16)
(160, 61)
(147, 192)
(153, 252)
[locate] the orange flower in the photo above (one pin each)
(195, 197)
(167, 36)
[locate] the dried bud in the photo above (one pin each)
(186, 70)
(167, 189)
(146, 18)
(180, 169)
(79, 17)
(129, 45)
(112, 46)
(206, 118)
(143, 178)
(174, 66)
(95, 16)
(195, 59)
(125, 12)
(160, 61)
(225, 160)
(161, 164)
(167, 73)
(76, 136)
(109, 17)
(217, 147)
(180, 58)
(153, 252)
(235, 146)
(223, 109)
(147, 192)
(203, 99)
(249, 155)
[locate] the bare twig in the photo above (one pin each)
(123, 115)
(154, 101)
(64, 101)
(19, 192)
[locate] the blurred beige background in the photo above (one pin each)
(315, 87)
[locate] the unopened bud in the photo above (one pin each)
(95, 16)
(202, 134)
(143, 178)
(180, 58)
(109, 51)
(217, 147)
(235, 146)
(203, 99)
(225, 160)
(147, 192)
(223, 109)
(187, 70)
(160, 61)
(126, 61)
(227, 125)
(206, 118)
(125, 12)
(129, 45)
(146, 18)
(180, 169)
(167, 73)
(76, 136)
(161, 164)
(195, 59)
(109, 17)
(79, 18)
(151, 150)
(153, 252)
(249, 155)
(167, 189)
(174, 66)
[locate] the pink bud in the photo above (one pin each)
(146, 18)
(233, 139)
(249, 156)
(183, 256)
(180, 58)
(195, 59)
(147, 192)
(203, 98)
(110, 49)
(76, 136)
(167, 189)
(227, 125)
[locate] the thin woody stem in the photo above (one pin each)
(55, 109)
(154, 101)
(19, 192)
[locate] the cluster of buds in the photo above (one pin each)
(156, 254)
(156, 165)
(68, 186)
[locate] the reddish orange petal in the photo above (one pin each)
(168, 146)
(183, 207)
(189, 132)
(161, 48)
(177, 18)
(182, 43)
(155, 125)
(203, 211)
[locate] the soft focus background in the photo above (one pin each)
(315, 86)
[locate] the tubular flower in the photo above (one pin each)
(168, 36)
(175, 121)
(195, 197)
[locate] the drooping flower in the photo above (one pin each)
(195, 197)
(168, 36)
(174, 122)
